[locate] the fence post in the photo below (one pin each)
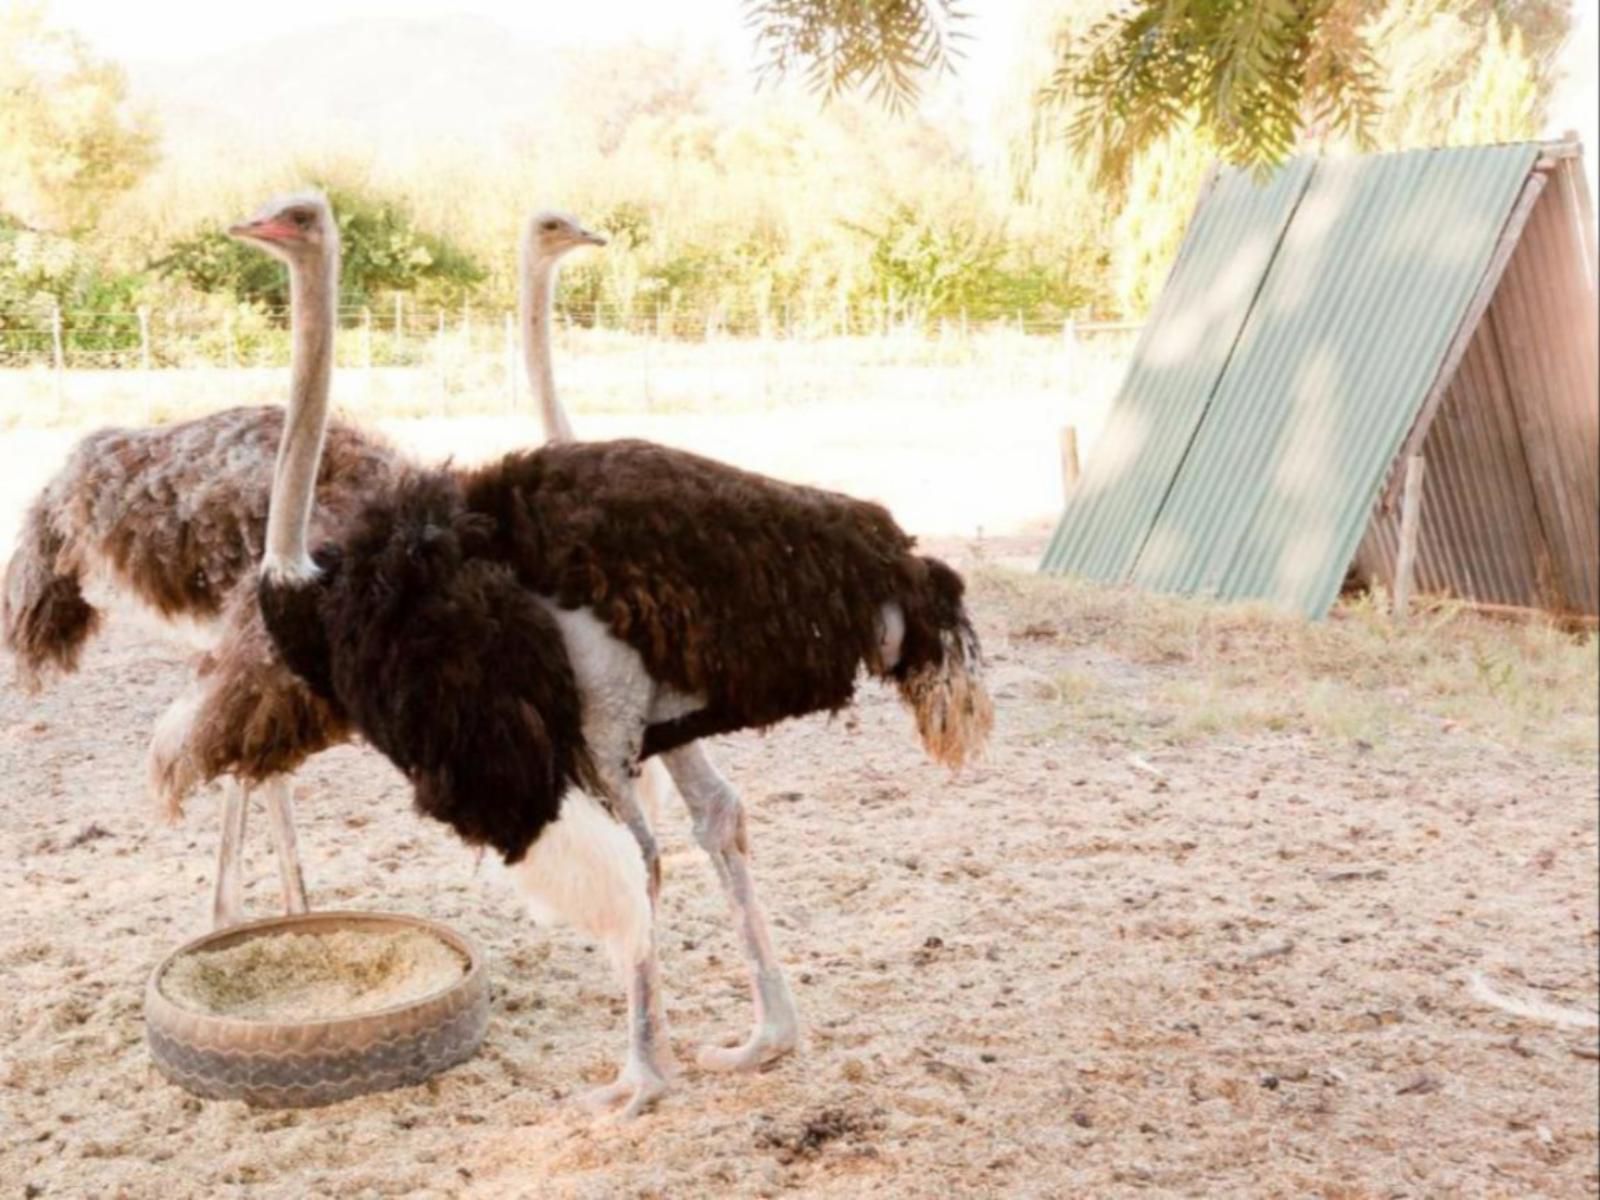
(438, 354)
(1410, 519)
(144, 337)
(511, 361)
(366, 339)
(59, 350)
(1069, 459)
(399, 322)
(227, 340)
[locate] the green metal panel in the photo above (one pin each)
(1175, 369)
(1371, 282)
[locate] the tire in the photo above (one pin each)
(300, 1064)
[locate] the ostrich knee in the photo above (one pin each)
(891, 633)
(719, 819)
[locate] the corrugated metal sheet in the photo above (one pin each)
(1479, 535)
(1175, 369)
(1511, 496)
(1374, 276)
(1544, 322)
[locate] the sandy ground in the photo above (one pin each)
(1060, 974)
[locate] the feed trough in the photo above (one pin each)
(297, 1011)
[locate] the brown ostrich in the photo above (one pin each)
(167, 522)
(516, 639)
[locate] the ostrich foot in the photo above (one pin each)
(635, 1090)
(767, 1042)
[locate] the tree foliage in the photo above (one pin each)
(883, 46)
(382, 251)
(69, 141)
(1254, 77)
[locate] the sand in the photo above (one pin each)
(313, 976)
(1241, 966)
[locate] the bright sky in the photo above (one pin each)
(176, 30)
(182, 29)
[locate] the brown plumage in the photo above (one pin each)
(169, 522)
(763, 597)
(166, 520)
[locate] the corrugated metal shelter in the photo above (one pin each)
(1316, 330)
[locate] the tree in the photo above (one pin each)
(381, 251)
(1254, 76)
(68, 140)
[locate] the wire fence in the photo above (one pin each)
(155, 364)
(400, 333)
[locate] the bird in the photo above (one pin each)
(245, 715)
(516, 639)
(546, 236)
(166, 523)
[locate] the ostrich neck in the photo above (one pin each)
(312, 295)
(538, 296)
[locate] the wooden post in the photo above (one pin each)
(228, 351)
(399, 321)
(1410, 519)
(438, 353)
(144, 337)
(366, 340)
(511, 361)
(59, 351)
(1069, 459)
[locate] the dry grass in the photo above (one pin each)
(1204, 670)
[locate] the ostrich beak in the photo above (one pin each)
(265, 229)
(592, 239)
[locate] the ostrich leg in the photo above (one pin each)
(586, 869)
(280, 813)
(719, 827)
(227, 899)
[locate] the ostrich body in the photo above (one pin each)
(517, 638)
(165, 525)
(168, 523)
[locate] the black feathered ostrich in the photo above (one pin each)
(517, 639)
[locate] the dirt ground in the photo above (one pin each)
(1113, 959)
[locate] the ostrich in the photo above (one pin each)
(546, 237)
(516, 639)
(245, 716)
(166, 523)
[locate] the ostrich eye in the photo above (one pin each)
(550, 226)
(301, 218)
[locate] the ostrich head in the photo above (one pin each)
(295, 228)
(549, 235)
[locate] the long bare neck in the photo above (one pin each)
(313, 294)
(537, 301)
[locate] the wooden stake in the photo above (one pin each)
(511, 361)
(1410, 519)
(58, 347)
(1069, 459)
